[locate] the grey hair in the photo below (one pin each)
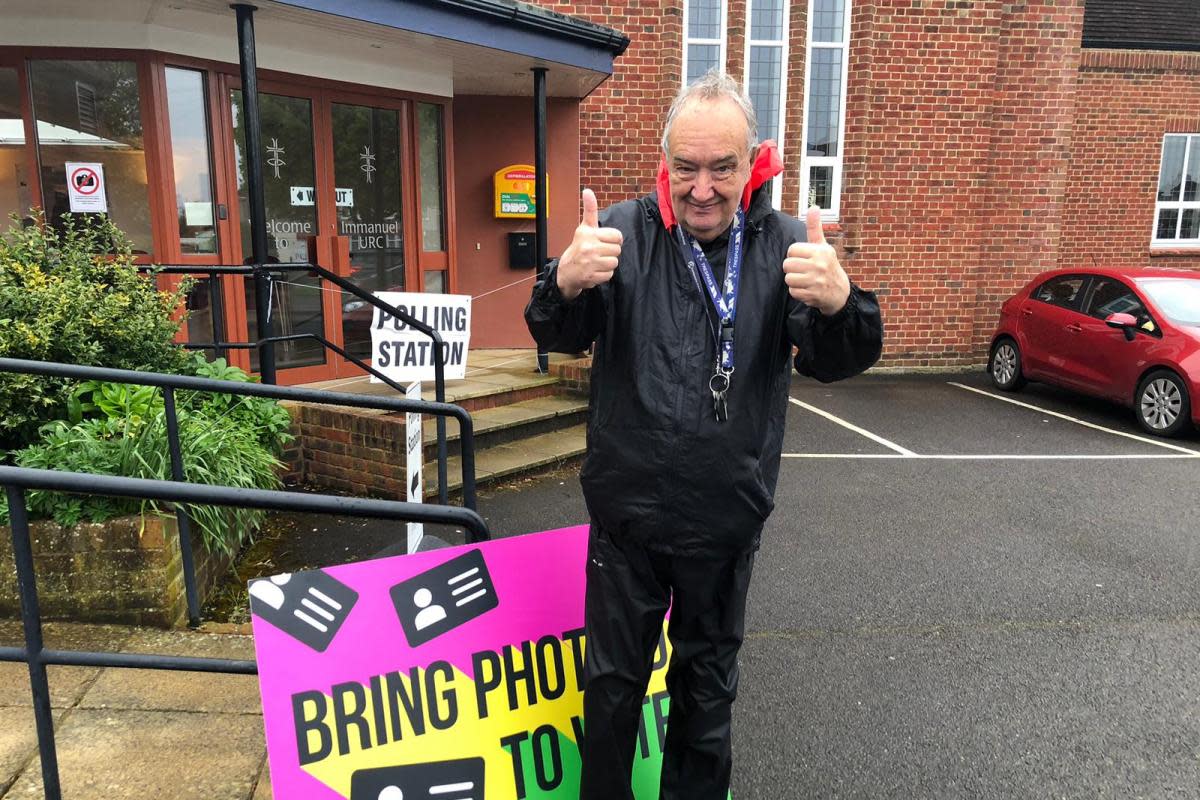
(714, 85)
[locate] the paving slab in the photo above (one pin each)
(169, 690)
(18, 742)
(67, 684)
(120, 755)
(262, 790)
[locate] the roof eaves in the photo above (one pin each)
(543, 20)
(1129, 44)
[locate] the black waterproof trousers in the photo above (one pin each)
(628, 591)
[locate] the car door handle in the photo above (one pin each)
(1075, 327)
(1027, 312)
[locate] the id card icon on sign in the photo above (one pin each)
(308, 606)
(444, 780)
(441, 599)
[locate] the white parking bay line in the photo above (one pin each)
(851, 426)
(996, 457)
(1084, 423)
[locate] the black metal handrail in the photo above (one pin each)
(293, 337)
(169, 383)
(439, 371)
(16, 481)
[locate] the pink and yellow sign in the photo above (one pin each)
(454, 674)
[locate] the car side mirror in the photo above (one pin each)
(1123, 322)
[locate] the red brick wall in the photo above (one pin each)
(982, 145)
(735, 37)
(1127, 101)
(792, 145)
(1033, 107)
(958, 125)
(620, 124)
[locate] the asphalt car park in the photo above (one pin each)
(962, 597)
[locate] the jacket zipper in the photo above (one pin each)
(704, 300)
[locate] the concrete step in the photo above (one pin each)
(509, 423)
(482, 389)
(498, 391)
(506, 460)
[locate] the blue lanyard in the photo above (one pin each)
(724, 299)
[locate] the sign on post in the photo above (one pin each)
(405, 354)
(450, 674)
(414, 452)
(85, 187)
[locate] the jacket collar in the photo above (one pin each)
(766, 165)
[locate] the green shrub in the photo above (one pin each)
(216, 450)
(270, 421)
(120, 429)
(75, 296)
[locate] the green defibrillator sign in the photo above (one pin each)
(516, 192)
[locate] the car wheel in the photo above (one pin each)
(1162, 404)
(1005, 366)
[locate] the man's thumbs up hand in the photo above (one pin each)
(812, 272)
(592, 256)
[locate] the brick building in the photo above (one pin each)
(961, 146)
(958, 146)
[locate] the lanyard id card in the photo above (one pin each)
(724, 299)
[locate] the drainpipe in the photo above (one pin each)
(540, 187)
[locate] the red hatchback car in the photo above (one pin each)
(1127, 335)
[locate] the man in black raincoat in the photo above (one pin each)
(694, 299)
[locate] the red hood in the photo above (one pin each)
(767, 165)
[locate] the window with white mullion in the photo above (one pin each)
(1177, 207)
(703, 37)
(828, 56)
(766, 68)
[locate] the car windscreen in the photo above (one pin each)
(1178, 298)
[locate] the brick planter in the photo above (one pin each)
(348, 450)
(127, 570)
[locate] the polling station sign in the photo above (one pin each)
(453, 674)
(405, 354)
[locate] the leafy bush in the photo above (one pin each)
(75, 296)
(216, 450)
(120, 429)
(120, 403)
(271, 422)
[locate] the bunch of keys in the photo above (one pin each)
(719, 385)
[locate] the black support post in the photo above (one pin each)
(182, 518)
(31, 620)
(254, 185)
(540, 187)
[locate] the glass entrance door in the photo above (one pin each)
(343, 191)
(370, 243)
(290, 189)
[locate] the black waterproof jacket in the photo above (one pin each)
(659, 466)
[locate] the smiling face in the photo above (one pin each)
(709, 165)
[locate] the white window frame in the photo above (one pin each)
(721, 42)
(1191, 150)
(807, 162)
(782, 44)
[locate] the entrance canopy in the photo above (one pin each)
(436, 47)
(493, 43)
